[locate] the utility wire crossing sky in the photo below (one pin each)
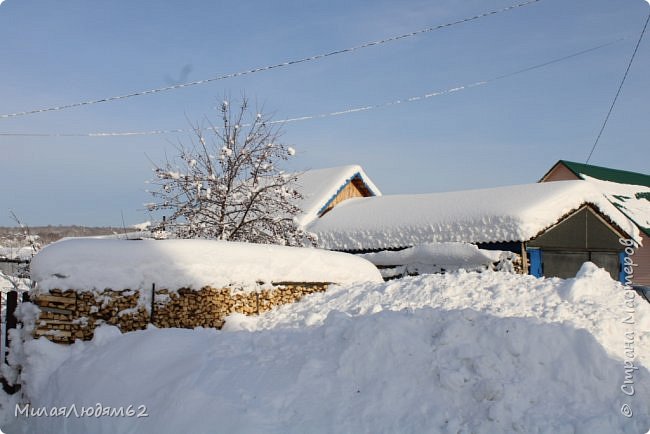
(269, 67)
(59, 55)
(336, 113)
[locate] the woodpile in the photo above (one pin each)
(70, 315)
(56, 320)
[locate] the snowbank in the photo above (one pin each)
(457, 255)
(512, 213)
(96, 264)
(591, 301)
(460, 352)
(409, 372)
(438, 257)
(435, 258)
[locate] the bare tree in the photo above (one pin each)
(229, 186)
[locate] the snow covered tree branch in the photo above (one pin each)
(20, 248)
(229, 186)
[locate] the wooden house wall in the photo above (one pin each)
(354, 188)
(642, 258)
(560, 173)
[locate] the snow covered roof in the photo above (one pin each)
(512, 213)
(96, 264)
(320, 187)
(628, 191)
(631, 200)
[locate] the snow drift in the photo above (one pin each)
(462, 352)
(430, 258)
(410, 371)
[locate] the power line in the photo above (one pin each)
(618, 92)
(336, 113)
(269, 67)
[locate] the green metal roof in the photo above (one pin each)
(607, 174)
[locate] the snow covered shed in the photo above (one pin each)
(627, 191)
(549, 220)
(323, 189)
(84, 282)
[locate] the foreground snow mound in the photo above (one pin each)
(591, 301)
(93, 263)
(429, 370)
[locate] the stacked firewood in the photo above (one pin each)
(56, 320)
(69, 315)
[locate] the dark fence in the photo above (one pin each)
(11, 322)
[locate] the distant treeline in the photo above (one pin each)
(15, 236)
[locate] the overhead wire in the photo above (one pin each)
(618, 92)
(268, 67)
(334, 113)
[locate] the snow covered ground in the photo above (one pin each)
(461, 352)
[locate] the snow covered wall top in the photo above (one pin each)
(512, 213)
(459, 255)
(318, 186)
(96, 264)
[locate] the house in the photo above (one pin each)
(566, 223)
(323, 189)
(627, 191)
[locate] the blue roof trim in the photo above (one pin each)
(347, 181)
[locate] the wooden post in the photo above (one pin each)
(10, 323)
(10, 318)
(153, 300)
(524, 259)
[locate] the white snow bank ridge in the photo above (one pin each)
(435, 258)
(460, 352)
(513, 213)
(591, 301)
(97, 264)
(453, 255)
(408, 371)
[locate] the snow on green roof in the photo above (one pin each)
(632, 200)
(628, 191)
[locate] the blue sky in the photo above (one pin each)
(510, 131)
